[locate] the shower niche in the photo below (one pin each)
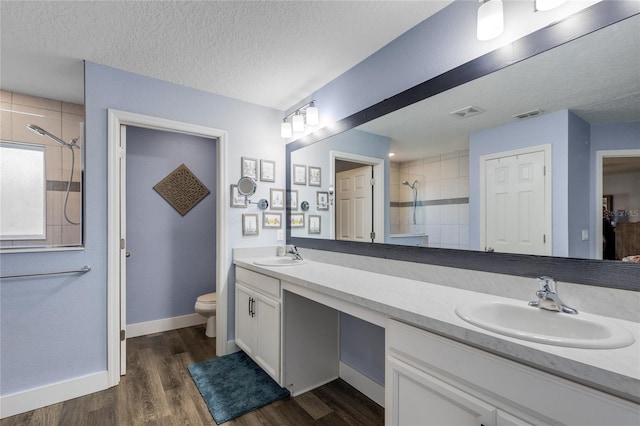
(41, 173)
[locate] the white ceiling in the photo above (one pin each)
(271, 53)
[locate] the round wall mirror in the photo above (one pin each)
(246, 186)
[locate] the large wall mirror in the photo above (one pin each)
(41, 164)
(536, 163)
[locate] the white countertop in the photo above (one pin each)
(432, 307)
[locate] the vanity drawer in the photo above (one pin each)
(259, 282)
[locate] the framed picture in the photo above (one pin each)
(250, 167)
(314, 176)
(237, 200)
(314, 224)
(292, 199)
(322, 200)
(250, 224)
(277, 199)
(299, 174)
(267, 171)
(297, 220)
(271, 220)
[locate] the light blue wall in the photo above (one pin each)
(317, 155)
(362, 347)
(173, 256)
(578, 193)
(54, 328)
(546, 129)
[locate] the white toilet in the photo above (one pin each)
(206, 306)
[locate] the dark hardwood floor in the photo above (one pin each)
(158, 390)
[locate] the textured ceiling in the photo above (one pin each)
(271, 53)
(596, 76)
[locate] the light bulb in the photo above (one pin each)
(490, 20)
(298, 122)
(312, 115)
(285, 129)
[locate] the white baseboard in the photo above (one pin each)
(31, 399)
(231, 347)
(371, 389)
(165, 324)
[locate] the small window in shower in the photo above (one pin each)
(22, 191)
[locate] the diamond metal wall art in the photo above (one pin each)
(182, 189)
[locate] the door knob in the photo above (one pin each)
(127, 254)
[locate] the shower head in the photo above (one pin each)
(410, 185)
(42, 132)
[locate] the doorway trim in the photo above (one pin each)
(600, 156)
(116, 119)
(378, 189)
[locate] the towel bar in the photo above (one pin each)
(82, 270)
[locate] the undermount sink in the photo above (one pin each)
(539, 325)
(279, 261)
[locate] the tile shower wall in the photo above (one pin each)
(443, 199)
(64, 120)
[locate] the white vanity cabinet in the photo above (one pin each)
(258, 319)
(432, 380)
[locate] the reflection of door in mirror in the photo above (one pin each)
(620, 237)
(58, 122)
(516, 208)
(354, 204)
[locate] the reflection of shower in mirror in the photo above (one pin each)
(71, 145)
(414, 187)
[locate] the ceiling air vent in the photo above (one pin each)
(467, 112)
(528, 114)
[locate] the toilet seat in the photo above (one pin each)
(207, 298)
(206, 306)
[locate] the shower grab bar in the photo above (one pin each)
(82, 270)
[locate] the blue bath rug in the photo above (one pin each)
(233, 385)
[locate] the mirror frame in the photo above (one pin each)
(603, 273)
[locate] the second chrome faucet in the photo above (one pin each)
(548, 297)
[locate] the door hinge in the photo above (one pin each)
(544, 238)
(122, 245)
(544, 170)
(372, 182)
(372, 235)
(122, 335)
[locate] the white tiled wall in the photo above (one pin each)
(441, 179)
(64, 120)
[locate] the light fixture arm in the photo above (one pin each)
(302, 110)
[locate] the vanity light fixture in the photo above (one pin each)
(306, 115)
(490, 19)
(542, 5)
(298, 122)
(285, 129)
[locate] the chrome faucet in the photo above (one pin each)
(548, 297)
(293, 250)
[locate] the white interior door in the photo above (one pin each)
(123, 249)
(515, 204)
(354, 211)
